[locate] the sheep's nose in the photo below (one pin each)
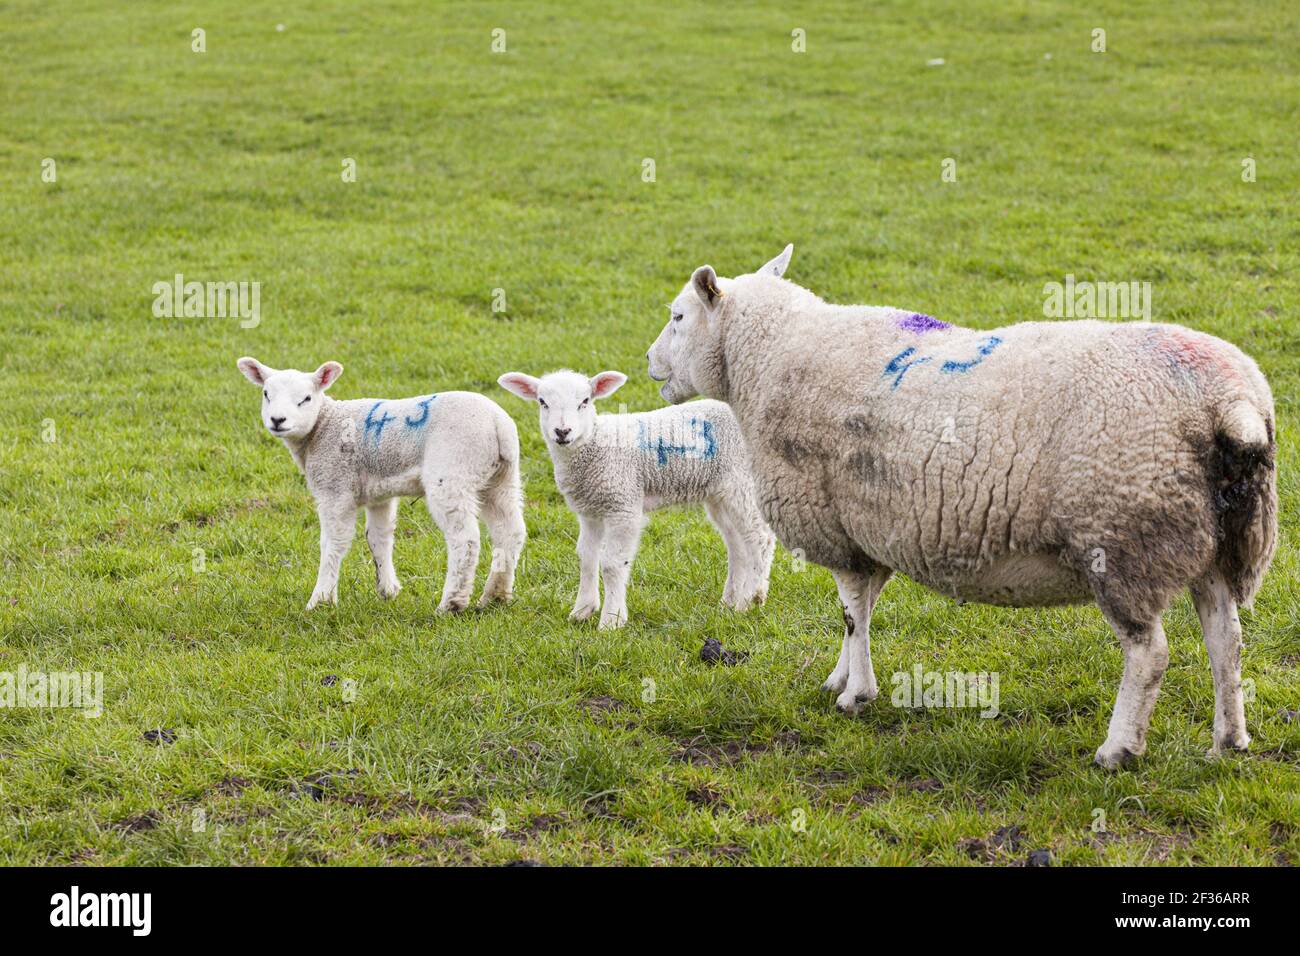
(277, 422)
(562, 433)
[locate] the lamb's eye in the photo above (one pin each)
(265, 396)
(541, 403)
(305, 400)
(677, 317)
(583, 403)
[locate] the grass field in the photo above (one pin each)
(151, 530)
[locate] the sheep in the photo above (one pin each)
(458, 450)
(612, 469)
(1036, 464)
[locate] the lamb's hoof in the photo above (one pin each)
(1238, 743)
(390, 590)
(1114, 756)
(611, 623)
(581, 612)
(835, 684)
(318, 599)
(453, 607)
(849, 703)
(499, 597)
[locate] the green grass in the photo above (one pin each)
(522, 171)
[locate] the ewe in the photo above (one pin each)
(1041, 463)
(458, 450)
(612, 469)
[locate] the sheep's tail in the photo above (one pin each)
(1244, 478)
(505, 489)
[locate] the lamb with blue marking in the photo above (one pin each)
(613, 469)
(457, 450)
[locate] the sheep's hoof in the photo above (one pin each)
(581, 612)
(452, 607)
(849, 703)
(1114, 757)
(835, 684)
(1238, 743)
(498, 597)
(611, 623)
(389, 591)
(318, 599)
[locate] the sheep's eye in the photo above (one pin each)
(583, 403)
(265, 396)
(677, 317)
(541, 403)
(305, 400)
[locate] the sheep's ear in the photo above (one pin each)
(705, 283)
(517, 383)
(254, 370)
(777, 266)
(327, 375)
(606, 384)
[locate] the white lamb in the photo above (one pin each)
(612, 469)
(458, 450)
(1040, 463)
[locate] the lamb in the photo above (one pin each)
(458, 450)
(1041, 463)
(612, 469)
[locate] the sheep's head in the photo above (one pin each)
(565, 400)
(687, 355)
(291, 400)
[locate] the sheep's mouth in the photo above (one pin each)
(564, 441)
(277, 431)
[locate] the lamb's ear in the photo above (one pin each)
(327, 375)
(777, 266)
(517, 383)
(705, 282)
(254, 370)
(606, 384)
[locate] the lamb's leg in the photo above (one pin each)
(381, 523)
(859, 592)
(456, 514)
(737, 582)
(617, 551)
(1146, 655)
(504, 517)
(338, 523)
(590, 532)
(1222, 631)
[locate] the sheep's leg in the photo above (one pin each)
(737, 582)
(859, 592)
(338, 524)
(1222, 631)
(617, 551)
(1146, 655)
(381, 523)
(457, 517)
(590, 532)
(504, 518)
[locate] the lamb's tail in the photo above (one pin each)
(506, 487)
(1243, 473)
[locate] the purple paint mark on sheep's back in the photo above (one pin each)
(920, 323)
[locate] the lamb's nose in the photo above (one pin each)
(276, 422)
(562, 433)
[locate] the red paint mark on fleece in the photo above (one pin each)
(1199, 353)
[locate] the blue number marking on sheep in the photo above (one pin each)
(898, 365)
(986, 347)
(702, 430)
(377, 424)
(424, 404)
